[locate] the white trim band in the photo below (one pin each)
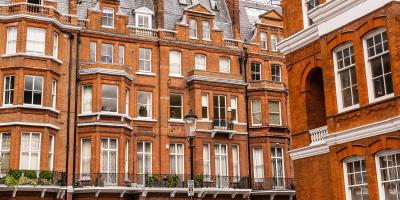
(30, 124)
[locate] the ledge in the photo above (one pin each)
(215, 80)
(30, 107)
(105, 124)
(110, 114)
(145, 73)
(30, 124)
(32, 56)
(145, 119)
(105, 71)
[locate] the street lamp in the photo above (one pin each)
(191, 120)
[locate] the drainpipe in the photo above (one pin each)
(78, 43)
(244, 61)
(71, 40)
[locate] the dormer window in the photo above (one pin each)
(108, 17)
(206, 30)
(143, 21)
(39, 2)
(214, 4)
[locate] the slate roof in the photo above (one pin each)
(246, 27)
(173, 12)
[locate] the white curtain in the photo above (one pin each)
(11, 40)
(86, 156)
(206, 160)
(235, 160)
(258, 162)
(224, 65)
(175, 62)
(35, 40)
(87, 99)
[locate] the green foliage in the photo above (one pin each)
(10, 181)
(30, 174)
(173, 180)
(198, 180)
(16, 174)
(45, 182)
(46, 175)
(27, 181)
(151, 180)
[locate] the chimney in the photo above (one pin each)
(233, 8)
(159, 11)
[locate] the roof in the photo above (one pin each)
(249, 12)
(173, 12)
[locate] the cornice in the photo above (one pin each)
(215, 80)
(105, 71)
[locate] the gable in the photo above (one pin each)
(199, 9)
(144, 10)
(272, 14)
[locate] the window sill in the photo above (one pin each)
(204, 121)
(180, 121)
(175, 76)
(109, 27)
(30, 107)
(144, 119)
(350, 108)
(382, 98)
(193, 38)
(110, 114)
(33, 55)
(145, 73)
(207, 40)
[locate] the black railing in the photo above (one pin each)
(273, 184)
(14, 177)
(159, 181)
(222, 124)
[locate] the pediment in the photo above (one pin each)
(272, 14)
(199, 9)
(144, 10)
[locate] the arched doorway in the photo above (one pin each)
(315, 99)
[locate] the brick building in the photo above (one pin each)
(95, 92)
(343, 71)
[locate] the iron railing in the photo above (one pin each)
(159, 181)
(273, 184)
(222, 124)
(14, 177)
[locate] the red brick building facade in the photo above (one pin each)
(95, 94)
(343, 81)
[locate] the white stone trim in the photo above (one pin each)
(30, 107)
(2, 17)
(105, 124)
(32, 55)
(215, 80)
(106, 71)
(299, 40)
(30, 124)
(357, 133)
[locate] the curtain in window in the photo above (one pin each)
(35, 40)
(11, 40)
(87, 99)
(258, 164)
(85, 157)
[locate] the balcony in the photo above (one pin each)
(266, 85)
(223, 127)
(37, 10)
(318, 135)
(142, 32)
(273, 184)
(230, 43)
(215, 77)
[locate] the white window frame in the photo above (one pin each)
(146, 26)
(214, 5)
(12, 38)
(55, 45)
(145, 60)
(197, 64)
(339, 93)
(256, 72)
(176, 154)
(33, 90)
(107, 11)
(10, 90)
(206, 32)
(5, 151)
(253, 113)
(30, 151)
(149, 104)
(53, 94)
(92, 52)
(193, 29)
(381, 187)
(274, 159)
(222, 179)
(280, 113)
(346, 181)
(207, 162)
(175, 65)
(142, 152)
(121, 54)
(126, 161)
(85, 175)
(51, 152)
(263, 41)
(276, 75)
(371, 94)
(234, 105)
(38, 47)
(205, 104)
(127, 98)
(236, 160)
(104, 53)
(40, 2)
(83, 98)
(222, 62)
(181, 106)
(274, 42)
(255, 166)
(117, 104)
(109, 173)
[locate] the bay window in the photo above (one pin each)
(144, 60)
(379, 72)
(55, 45)
(108, 160)
(5, 139)
(175, 63)
(234, 110)
(107, 53)
(30, 151)
(204, 106)
(53, 94)
(35, 40)
(256, 115)
(176, 159)
(200, 62)
(276, 73)
(86, 154)
(33, 90)
(144, 105)
(345, 76)
(107, 19)
(175, 106)
(355, 179)
(109, 98)
(8, 97)
(258, 164)
(51, 152)
(11, 40)
(87, 99)
(274, 109)
(278, 171)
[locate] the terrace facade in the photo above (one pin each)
(95, 94)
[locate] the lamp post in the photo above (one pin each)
(191, 120)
